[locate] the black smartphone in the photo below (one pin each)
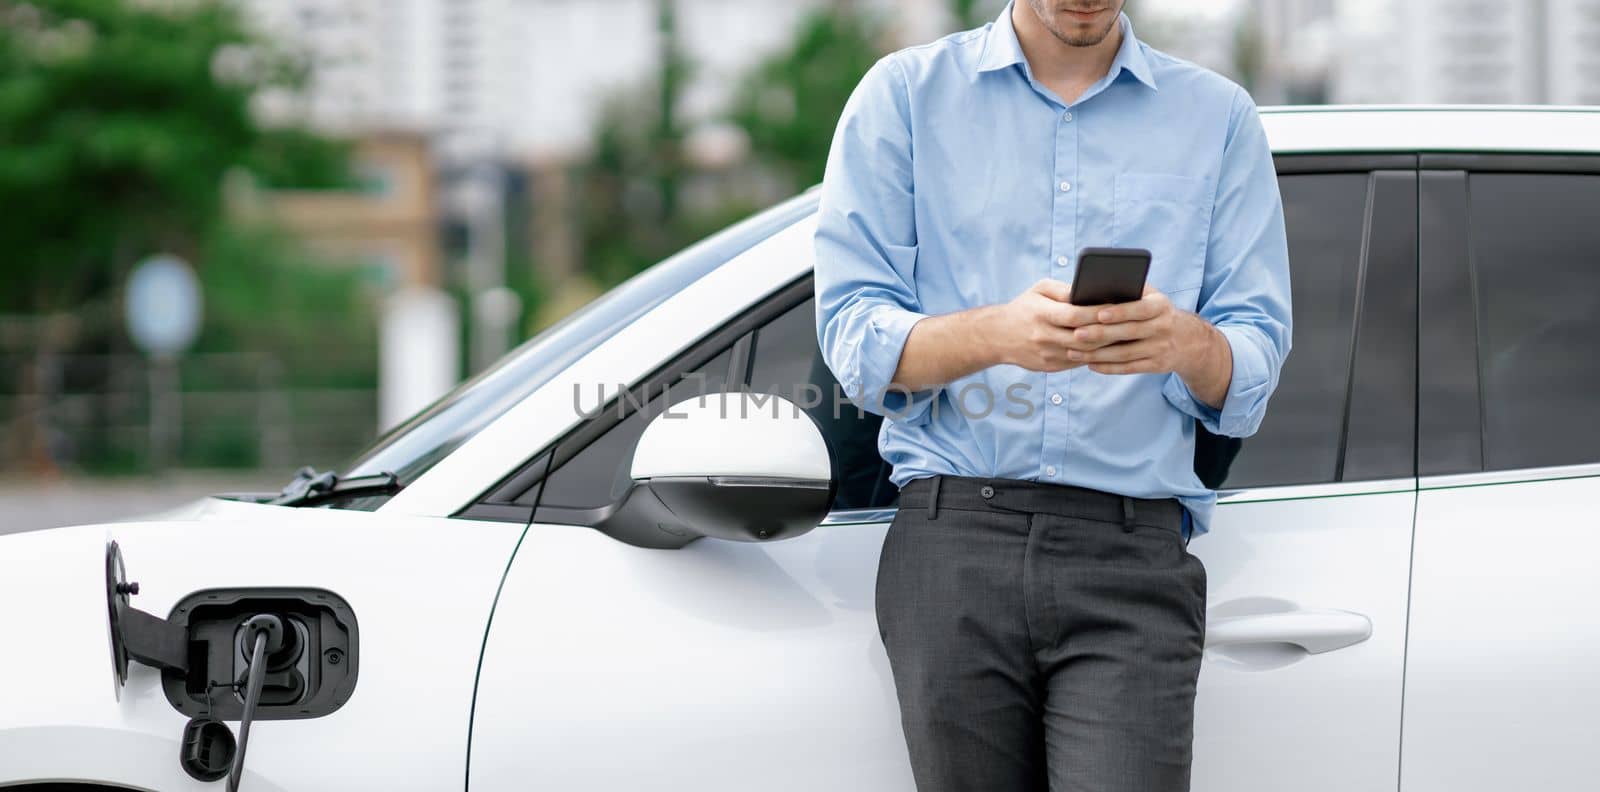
(1110, 275)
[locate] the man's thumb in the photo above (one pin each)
(1054, 289)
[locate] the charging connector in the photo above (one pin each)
(264, 634)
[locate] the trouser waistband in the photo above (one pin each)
(1035, 497)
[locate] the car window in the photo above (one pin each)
(787, 362)
(1535, 256)
(1298, 441)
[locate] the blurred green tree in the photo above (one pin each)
(790, 103)
(969, 13)
(118, 120)
(632, 178)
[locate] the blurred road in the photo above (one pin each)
(28, 504)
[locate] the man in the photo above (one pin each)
(1043, 616)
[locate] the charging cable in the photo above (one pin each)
(263, 633)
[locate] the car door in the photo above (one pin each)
(1500, 688)
(1309, 552)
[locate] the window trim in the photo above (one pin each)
(1444, 214)
(1386, 290)
(1449, 419)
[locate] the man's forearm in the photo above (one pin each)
(947, 347)
(1208, 368)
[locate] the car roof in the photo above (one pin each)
(1331, 129)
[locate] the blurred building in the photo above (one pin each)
(1294, 50)
(523, 78)
(1469, 52)
(388, 226)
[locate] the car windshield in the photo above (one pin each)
(410, 449)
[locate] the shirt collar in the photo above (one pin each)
(1002, 49)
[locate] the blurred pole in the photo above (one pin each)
(418, 352)
(1539, 50)
(674, 70)
(166, 411)
(1269, 86)
(484, 201)
(496, 314)
(272, 416)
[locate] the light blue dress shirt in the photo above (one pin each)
(957, 180)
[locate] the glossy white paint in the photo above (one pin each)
(1476, 128)
(421, 590)
(733, 434)
(1272, 715)
(1503, 669)
(723, 666)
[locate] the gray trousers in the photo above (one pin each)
(1042, 636)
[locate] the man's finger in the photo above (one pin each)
(1122, 352)
(1095, 336)
(1147, 307)
(1068, 315)
(1143, 366)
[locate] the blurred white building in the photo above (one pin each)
(523, 78)
(1296, 50)
(1468, 52)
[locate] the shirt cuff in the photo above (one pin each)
(1244, 406)
(882, 343)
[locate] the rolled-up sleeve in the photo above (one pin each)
(866, 248)
(1245, 292)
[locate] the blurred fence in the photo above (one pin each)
(123, 413)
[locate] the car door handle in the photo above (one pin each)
(1314, 630)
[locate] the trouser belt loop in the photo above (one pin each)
(933, 498)
(1127, 514)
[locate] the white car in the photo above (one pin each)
(1403, 569)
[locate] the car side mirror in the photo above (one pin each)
(737, 466)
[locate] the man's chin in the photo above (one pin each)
(1080, 31)
(1081, 38)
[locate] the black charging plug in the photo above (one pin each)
(263, 633)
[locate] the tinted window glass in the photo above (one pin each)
(599, 474)
(788, 363)
(1535, 252)
(1298, 442)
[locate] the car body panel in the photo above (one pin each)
(1501, 667)
(719, 666)
(421, 590)
(1270, 716)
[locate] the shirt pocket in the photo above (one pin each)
(1168, 215)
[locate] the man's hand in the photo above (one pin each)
(1150, 336)
(1035, 330)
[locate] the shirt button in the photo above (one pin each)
(1061, 261)
(1066, 117)
(1066, 187)
(1055, 398)
(1050, 471)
